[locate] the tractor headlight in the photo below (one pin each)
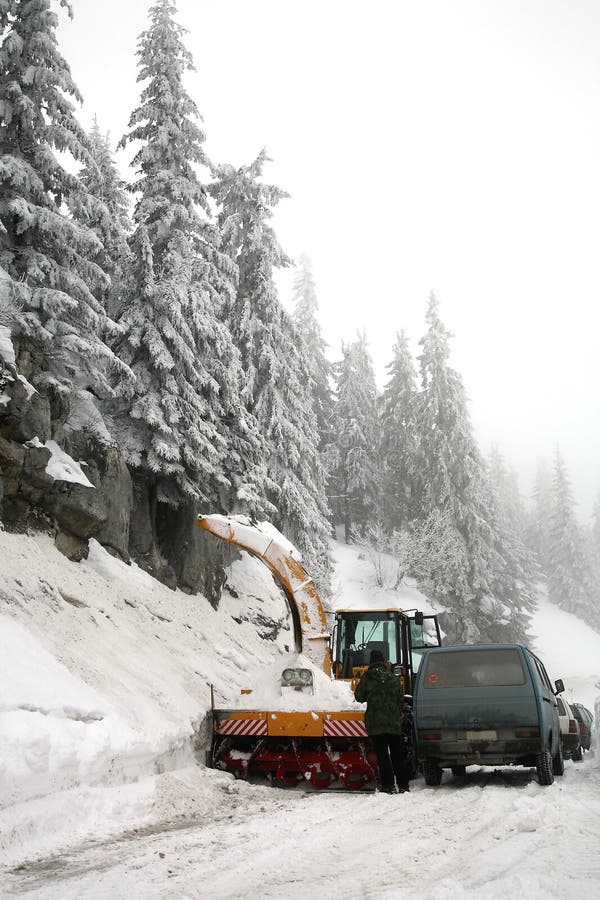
(297, 678)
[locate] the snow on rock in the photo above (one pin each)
(7, 351)
(62, 467)
(26, 384)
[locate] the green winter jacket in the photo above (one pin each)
(381, 690)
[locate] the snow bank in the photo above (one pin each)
(105, 673)
(53, 727)
(355, 586)
(105, 681)
(570, 650)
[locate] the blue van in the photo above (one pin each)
(486, 704)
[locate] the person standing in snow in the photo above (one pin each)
(382, 692)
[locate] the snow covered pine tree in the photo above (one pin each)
(277, 375)
(491, 591)
(354, 484)
(398, 439)
(182, 425)
(318, 367)
(42, 242)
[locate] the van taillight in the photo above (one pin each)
(432, 735)
(572, 726)
(531, 732)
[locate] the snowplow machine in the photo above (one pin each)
(299, 743)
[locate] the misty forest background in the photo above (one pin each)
(148, 311)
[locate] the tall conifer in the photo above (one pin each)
(41, 242)
(399, 439)
(491, 597)
(182, 423)
(277, 378)
(539, 516)
(567, 574)
(109, 218)
(355, 470)
(318, 367)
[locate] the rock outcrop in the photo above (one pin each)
(119, 508)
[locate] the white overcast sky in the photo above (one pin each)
(451, 145)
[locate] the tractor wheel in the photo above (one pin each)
(459, 771)
(543, 764)
(432, 773)
(558, 762)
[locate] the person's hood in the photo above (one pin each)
(377, 671)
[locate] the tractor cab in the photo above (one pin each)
(401, 636)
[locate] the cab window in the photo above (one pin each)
(362, 633)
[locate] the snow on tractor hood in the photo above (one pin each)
(267, 691)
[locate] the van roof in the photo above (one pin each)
(482, 646)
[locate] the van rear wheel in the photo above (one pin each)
(432, 773)
(543, 764)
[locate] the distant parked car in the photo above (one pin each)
(585, 719)
(569, 731)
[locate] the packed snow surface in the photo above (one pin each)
(104, 685)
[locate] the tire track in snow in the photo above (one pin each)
(492, 834)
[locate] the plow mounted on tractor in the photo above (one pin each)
(319, 745)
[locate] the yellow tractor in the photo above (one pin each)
(319, 745)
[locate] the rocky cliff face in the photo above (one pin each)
(108, 502)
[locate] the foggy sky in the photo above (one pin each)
(431, 145)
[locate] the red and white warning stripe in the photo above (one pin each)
(344, 728)
(243, 726)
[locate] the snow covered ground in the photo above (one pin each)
(104, 686)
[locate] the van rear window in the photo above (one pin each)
(474, 668)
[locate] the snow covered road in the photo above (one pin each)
(494, 834)
(104, 686)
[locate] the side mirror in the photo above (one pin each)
(418, 618)
(558, 684)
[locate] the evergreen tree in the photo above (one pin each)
(182, 423)
(355, 472)
(596, 525)
(318, 367)
(593, 592)
(538, 525)
(109, 219)
(41, 243)
(398, 439)
(505, 484)
(567, 574)
(277, 379)
(494, 592)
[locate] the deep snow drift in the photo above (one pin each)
(104, 685)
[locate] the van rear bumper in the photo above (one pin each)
(518, 751)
